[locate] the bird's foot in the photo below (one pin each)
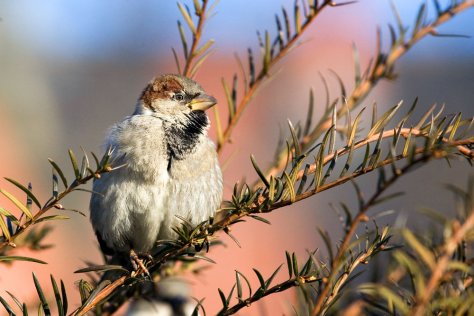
(138, 264)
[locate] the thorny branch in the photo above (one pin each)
(232, 218)
(333, 282)
(384, 68)
(263, 74)
(54, 201)
(274, 289)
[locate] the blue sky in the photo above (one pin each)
(100, 29)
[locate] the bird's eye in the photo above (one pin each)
(179, 97)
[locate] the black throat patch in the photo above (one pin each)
(181, 138)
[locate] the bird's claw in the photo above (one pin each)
(138, 263)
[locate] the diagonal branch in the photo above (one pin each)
(296, 281)
(263, 74)
(382, 70)
(230, 219)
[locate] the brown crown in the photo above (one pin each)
(160, 88)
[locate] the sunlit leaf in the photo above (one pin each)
(382, 122)
(102, 268)
(24, 189)
(17, 203)
(187, 18)
(74, 164)
(259, 172)
(424, 253)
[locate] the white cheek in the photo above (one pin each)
(147, 111)
(163, 104)
(170, 108)
(141, 109)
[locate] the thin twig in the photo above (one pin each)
(196, 38)
(404, 132)
(274, 289)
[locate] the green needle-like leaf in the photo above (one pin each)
(184, 42)
(24, 189)
(223, 299)
(57, 296)
(17, 203)
(289, 265)
(259, 172)
(42, 297)
(204, 47)
(424, 253)
(7, 307)
(290, 188)
(59, 171)
(420, 18)
(187, 18)
(74, 164)
(261, 280)
(383, 121)
(21, 258)
(246, 281)
(270, 279)
(51, 218)
(296, 143)
(64, 296)
(239, 285)
(267, 57)
(295, 265)
(355, 53)
(4, 229)
(16, 300)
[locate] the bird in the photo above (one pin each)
(168, 169)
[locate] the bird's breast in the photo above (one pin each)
(140, 145)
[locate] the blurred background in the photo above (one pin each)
(68, 70)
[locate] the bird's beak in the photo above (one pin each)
(202, 102)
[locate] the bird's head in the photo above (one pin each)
(173, 96)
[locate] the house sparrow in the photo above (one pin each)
(169, 169)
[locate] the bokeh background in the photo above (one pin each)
(70, 69)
